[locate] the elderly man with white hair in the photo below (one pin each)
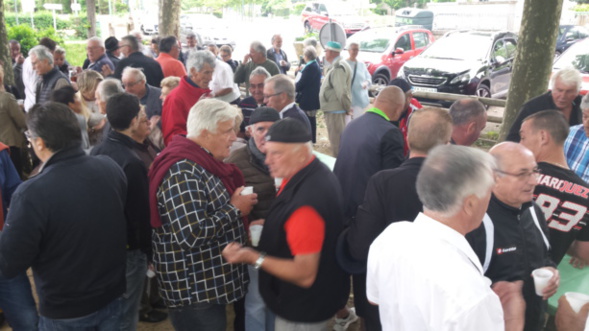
(51, 78)
(423, 274)
(97, 55)
(255, 58)
(135, 83)
(279, 93)
(564, 96)
(196, 210)
(99, 126)
(299, 280)
(200, 66)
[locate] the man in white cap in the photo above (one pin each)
(335, 95)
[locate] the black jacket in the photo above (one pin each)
(308, 86)
(119, 147)
(271, 55)
(296, 112)
(518, 249)
(537, 104)
(152, 70)
(68, 223)
(315, 186)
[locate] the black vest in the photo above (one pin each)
(315, 186)
(47, 84)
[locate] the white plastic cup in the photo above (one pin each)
(247, 190)
(20, 102)
(277, 183)
(541, 278)
(577, 300)
(150, 273)
(256, 233)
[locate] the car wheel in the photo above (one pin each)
(483, 91)
(308, 28)
(380, 78)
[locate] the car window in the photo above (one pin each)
(308, 9)
(322, 8)
(459, 47)
(499, 51)
(572, 34)
(373, 40)
(420, 39)
(576, 56)
(510, 47)
(404, 42)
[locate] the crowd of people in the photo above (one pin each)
(133, 191)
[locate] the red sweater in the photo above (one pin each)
(177, 106)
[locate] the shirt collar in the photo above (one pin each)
(378, 112)
(287, 107)
(432, 228)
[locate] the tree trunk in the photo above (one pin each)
(535, 53)
(169, 20)
(91, 9)
(4, 50)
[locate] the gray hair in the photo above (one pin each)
(98, 40)
(260, 71)
(310, 53)
(258, 47)
(132, 41)
(282, 84)
(42, 53)
(585, 102)
(466, 110)
(190, 34)
(206, 115)
(135, 72)
(451, 173)
(109, 87)
(569, 76)
(197, 59)
(310, 42)
(59, 50)
(274, 37)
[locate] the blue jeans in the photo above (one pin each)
(135, 276)
(16, 299)
(199, 316)
(257, 316)
(105, 319)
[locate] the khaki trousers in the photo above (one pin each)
(335, 123)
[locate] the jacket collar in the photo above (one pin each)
(63, 155)
(118, 137)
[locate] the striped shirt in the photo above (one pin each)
(576, 149)
(198, 222)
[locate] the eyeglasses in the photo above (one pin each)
(266, 96)
(260, 86)
(522, 175)
(131, 84)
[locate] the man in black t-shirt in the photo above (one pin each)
(562, 195)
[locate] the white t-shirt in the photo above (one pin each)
(29, 79)
(222, 79)
(425, 276)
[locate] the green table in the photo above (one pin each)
(329, 161)
(571, 280)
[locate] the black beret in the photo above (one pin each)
(264, 114)
(111, 44)
(288, 130)
(401, 83)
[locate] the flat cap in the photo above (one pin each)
(264, 114)
(288, 130)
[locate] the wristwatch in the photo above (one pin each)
(260, 260)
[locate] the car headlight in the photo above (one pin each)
(465, 77)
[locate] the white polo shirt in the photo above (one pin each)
(222, 79)
(425, 276)
(29, 79)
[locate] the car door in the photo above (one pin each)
(501, 65)
(405, 43)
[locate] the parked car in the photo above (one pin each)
(316, 14)
(385, 50)
(208, 28)
(472, 63)
(576, 56)
(149, 25)
(568, 35)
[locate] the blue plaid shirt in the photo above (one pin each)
(576, 149)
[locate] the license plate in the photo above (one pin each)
(424, 89)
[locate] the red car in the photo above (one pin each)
(316, 14)
(385, 50)
(576, 56)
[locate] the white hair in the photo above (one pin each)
(109, 87)
(207, 114)
(42, 53)
(197, 59)
(451, 173)
(135, 72)
(98, 40)
(569, 76)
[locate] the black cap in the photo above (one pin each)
(288, 130)
(111, 44)
(401, 83)
(264, 114)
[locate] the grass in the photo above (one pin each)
(75, 53)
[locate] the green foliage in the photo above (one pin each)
(298, 7)
(50, 33)
(42, 20)
(25, 35)
(75, 53)
(308, 35)
(379, 11)
(218, 13)
(396, 4)
(276, 7)
(582, 8)
(81, 25)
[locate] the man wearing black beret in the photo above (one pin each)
(300, 280)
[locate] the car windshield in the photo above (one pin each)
(577, 56)
(469, 47)
(374, 40)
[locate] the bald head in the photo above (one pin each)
(516, 174)
(391, 100)
(428, 128)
